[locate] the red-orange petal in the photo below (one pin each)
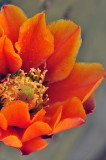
(38, 116)
(56, 117)
(73, 114)
(17, 114)
(3, 122)
(81, 83)
(10, 62)
(68, 123)
(53, 115)
(12, 141)
(73, 108)
(33, 145)
(35, 42)
(67, 40)
(11, 18)
(1, 31)
(89, 104)
(9, 131)
(35, 130)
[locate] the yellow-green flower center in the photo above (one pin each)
(23, 86)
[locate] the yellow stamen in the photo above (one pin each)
(23, 86)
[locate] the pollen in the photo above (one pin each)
(27, 87)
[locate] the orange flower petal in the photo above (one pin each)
(16, 114)
(56, 117)
(68, 123)
(35, 42)
(33, 145)
(53, 115)
(12, 141)
(67, 40)
(73, 114)
(65, 115)
(11, 131)
(11, 18)
(36, 129)
(1, 31)
(82, 82)
(10, 137)
(38, 116)
(3, 122)
(9, 60)
(73, 108)
(89, 104)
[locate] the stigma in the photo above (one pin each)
(27, 87)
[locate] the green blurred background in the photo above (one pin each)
(87, 142)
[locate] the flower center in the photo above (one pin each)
(27, 87)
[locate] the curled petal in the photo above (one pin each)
(53, 115)
(67, 40)
(73, 114)
(38, 116)
(33, 145)
(81, 83)
(10, 131)
(56, 117)
(35, 42)
(17, 114)
(89, 104)
(11, 18)
(10, 62)
(12, 141)
(68, 123)
(36, 129)
(73, 108)
(10, 137)
(3, 122)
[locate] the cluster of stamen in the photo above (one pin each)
(23, 86)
